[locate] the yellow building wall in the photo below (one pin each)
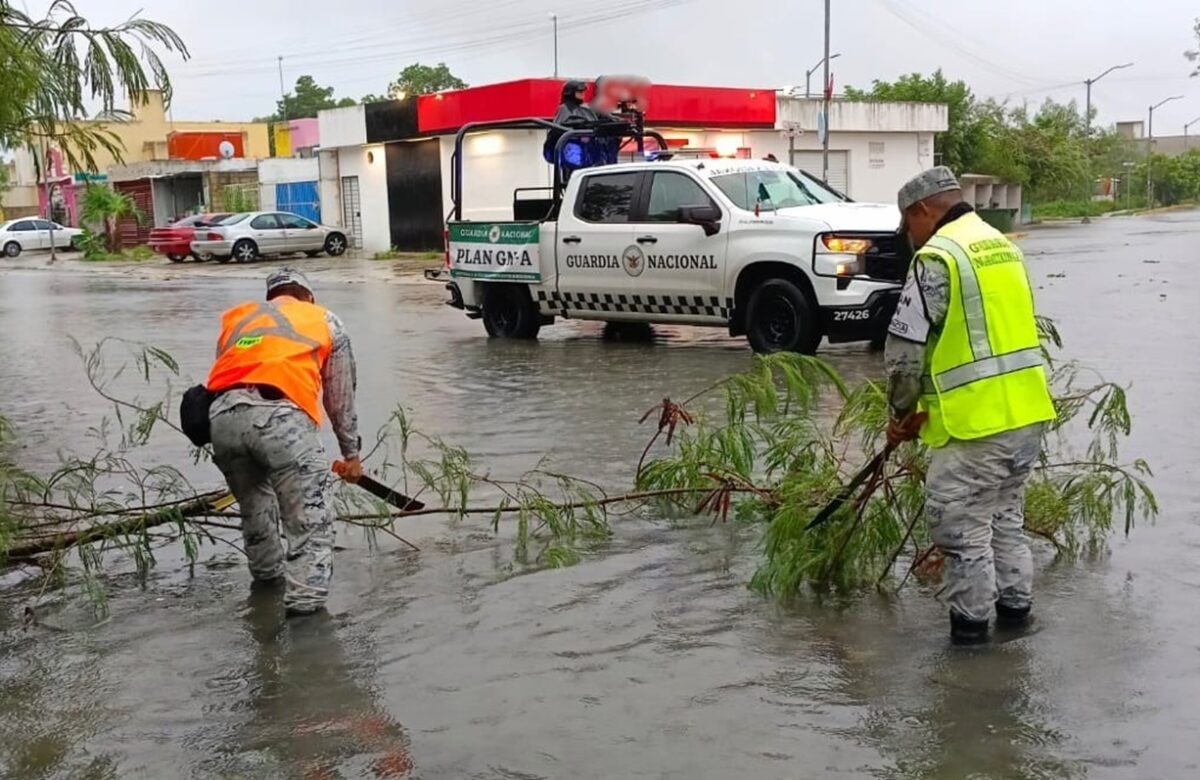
(144, 136)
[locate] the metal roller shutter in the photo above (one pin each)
(839, 167)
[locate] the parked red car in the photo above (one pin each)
(175, 241)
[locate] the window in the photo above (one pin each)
(25, 225)
(607, 197)
(41, 224)
(875, 151)
(669, 192)
(295, 222)
(231, 219)
(265, 222)
(771, 189)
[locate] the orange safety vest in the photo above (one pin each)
(282, 343)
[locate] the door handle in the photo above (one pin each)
(572, 240)
(647, 239)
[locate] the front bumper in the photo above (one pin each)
(865, 322)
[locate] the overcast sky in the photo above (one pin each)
(1024, 50)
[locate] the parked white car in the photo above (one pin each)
(18, 235)
(244, 237)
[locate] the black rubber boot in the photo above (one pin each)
(967, 632)
(1012, 617)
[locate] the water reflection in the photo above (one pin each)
(312, 713)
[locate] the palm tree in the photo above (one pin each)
(58, 67)
(104, 206)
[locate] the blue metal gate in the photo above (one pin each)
(299, 197)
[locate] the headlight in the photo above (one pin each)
(846, 244)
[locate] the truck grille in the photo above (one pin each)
(888, 257)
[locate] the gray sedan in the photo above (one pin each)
(244, 237)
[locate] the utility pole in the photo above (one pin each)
(48, 189)
(1150, 150)
(825, 109)
(1087, 118)
(808, 74)
(1185, 135)
(282, 93)
(554, 19)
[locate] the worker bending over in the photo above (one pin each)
(276, 362)
(963, 349)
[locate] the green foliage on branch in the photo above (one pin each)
(57, 67)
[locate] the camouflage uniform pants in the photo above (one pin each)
(277, 469)
(975, 494)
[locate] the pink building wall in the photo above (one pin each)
(304, 132)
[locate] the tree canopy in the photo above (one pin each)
(56, 65)
(418, 79)
(305, 100)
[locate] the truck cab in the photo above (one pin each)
(756, 247)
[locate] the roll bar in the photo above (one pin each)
(620, 130)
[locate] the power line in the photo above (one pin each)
(516, 31)
(932, 28)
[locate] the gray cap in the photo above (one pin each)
(287, 275)
(927, 184)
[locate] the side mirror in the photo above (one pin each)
(311, 226)
(707, 217)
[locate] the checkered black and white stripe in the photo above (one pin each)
(685, 305)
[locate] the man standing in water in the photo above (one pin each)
(965, 372)
(275, 361)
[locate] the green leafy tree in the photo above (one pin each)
(103, 206)
(961, 146)
(305, 100)
(418, 79)
(57, 67)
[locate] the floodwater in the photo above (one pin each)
(650, 659)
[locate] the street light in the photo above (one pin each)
(1150, 149)
(554, 19)
(1088, 83)
(1185, 129)
(1087, 118)
(808, 74)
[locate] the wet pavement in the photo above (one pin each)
(650, 658)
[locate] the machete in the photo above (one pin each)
(841, 498)
(382, 491)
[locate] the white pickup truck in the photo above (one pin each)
(756, 247)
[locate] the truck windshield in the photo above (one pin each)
(770, 189)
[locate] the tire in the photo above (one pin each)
(335, 245)
(781, 318)
(174, 258)
(313, 252)
(636, 332)
(222, 259)
(509, 313)
(12, 249)
(245, 251)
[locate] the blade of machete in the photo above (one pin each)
(382, 491)
(841, 498)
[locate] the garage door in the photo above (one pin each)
(839, 165)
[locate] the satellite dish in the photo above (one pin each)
(226, 149)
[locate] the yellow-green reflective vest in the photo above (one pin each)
(984, 369)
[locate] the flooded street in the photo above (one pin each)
(650, 658)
